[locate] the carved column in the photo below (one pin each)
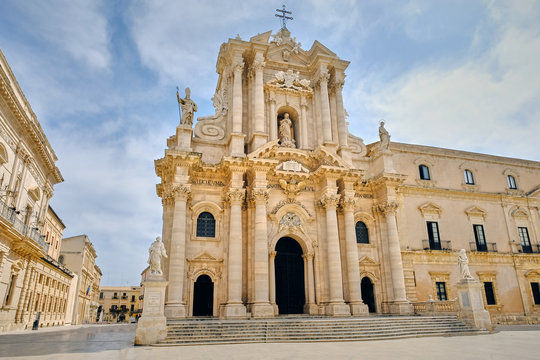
(340, 111)
(311, 306)
(237, 137)
(303, 123)
(272, 276)
(272, 121)
(400, 303)
(167, 200)
(175, 306)
(325, 105)
(235, 306)
(336, 305)
(353, 271)
(261, 305)
(259, 137)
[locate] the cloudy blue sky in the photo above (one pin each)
(101, 77)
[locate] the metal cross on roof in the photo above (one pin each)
(283, 16)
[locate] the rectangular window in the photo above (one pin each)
(433, 234)
(469, 179)
(132, 308)
(424, 172)
(132, 298)
(480, 238)
(490, 294)
(536, 292)
(10, 289)
(441, 291)
(525, 241)
(101, 295)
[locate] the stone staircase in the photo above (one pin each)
(311, 329)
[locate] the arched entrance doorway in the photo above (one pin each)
(368, 294)
(289, 265)
(203, 296)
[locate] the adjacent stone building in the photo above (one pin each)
(31, 279)
(271, 206)
(116, 300)
(78, 255)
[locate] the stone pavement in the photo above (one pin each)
(115, 342)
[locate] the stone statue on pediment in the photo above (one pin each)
(384, 136)
(155, 253)
(188, 108)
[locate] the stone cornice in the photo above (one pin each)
(388, 179)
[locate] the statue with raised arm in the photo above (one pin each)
(156, 252)
(188, 108)
(463, 263)
(384, 136)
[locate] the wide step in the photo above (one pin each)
(214, 331)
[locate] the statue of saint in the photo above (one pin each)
(156, 252)
(463, 263)
(188, 108)
(384, 136)
(285, 133)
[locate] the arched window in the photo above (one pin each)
(424, 172)
(206, 225)
(511, 182)
(469, 179)
(362, 236)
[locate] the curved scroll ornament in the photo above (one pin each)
(213, 127)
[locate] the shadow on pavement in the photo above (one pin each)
(81, 340)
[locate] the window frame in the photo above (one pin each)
(512, 184)
(524, 239)
(469, 177)
(535, 289)
(358, 229)
(434, 235)
(479, 237)
(205, 227)
(491, 299)
(424, 172)
(442, 293)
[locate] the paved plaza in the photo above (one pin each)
(116, 342)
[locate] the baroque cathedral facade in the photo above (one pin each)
(271, 206)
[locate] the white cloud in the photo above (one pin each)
(75, 26)
(473, 106)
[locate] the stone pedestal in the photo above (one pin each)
(175, 311)
(311, 309)
(262, 310)
(338, 309)
(400, 308)
(359, 309)
(471, 303)
(236, 145)
(233, 311)
(152, 326)
(184, 133)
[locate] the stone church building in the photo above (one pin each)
(271, 206)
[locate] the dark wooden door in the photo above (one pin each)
(289, 265)
(203, 296)
(368, 294)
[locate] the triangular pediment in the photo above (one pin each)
(319, 49)
(534, 193)
(430, 208)
(261, 38)
(519, 213)
(204, 256)
(476, 211)
(286, 54)
(532, 274)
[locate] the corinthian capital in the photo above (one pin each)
(330, 200)
(181, 192)
(348, 203)
(259, 195)
(258, 62)
(236, 195)
(238, 65)
(388, 208)
(323, 76)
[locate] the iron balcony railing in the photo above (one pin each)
(10, 214)
(529, 249)
(441, 245)
(487, 247)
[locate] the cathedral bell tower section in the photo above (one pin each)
(270, 89)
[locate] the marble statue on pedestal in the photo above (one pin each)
(156, 252)
(384, 136)
(463, 263)
(285, 133)
(188, 108)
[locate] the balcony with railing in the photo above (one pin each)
(487, 247)
(441, 245)
(528, 249)
(10, 214)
